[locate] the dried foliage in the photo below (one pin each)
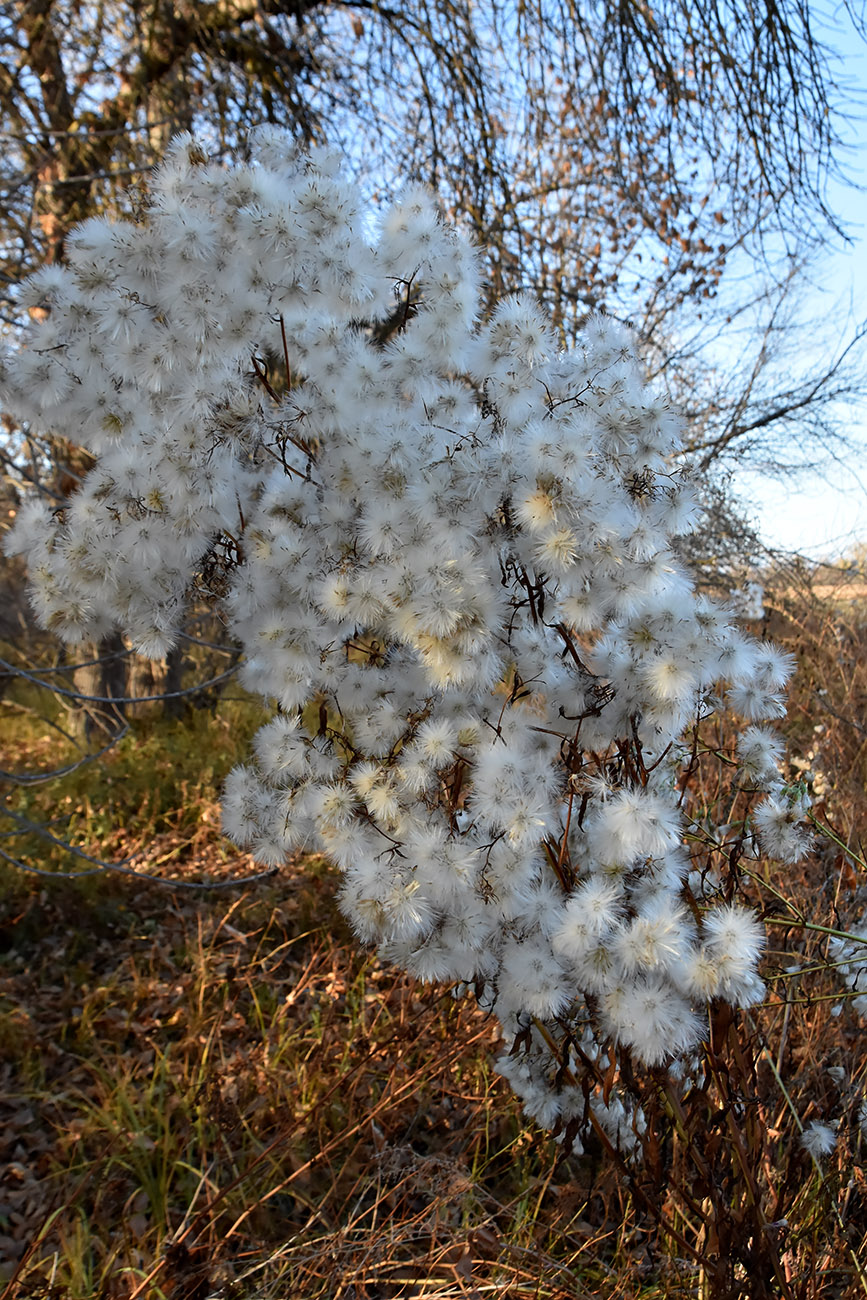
(210, 1095)
(215, 1096)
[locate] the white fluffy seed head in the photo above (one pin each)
(480, 647)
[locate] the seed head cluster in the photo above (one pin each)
(445, 548)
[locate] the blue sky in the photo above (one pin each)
(826, 514)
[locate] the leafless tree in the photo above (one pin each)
(608, 155)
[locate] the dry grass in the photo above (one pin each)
(206, 1096)
(216, 1095)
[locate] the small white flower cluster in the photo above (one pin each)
(818, 1140)
(444, 547)
(849, 957)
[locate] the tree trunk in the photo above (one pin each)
(101, 679)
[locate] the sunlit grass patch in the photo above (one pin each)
(155, 791)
